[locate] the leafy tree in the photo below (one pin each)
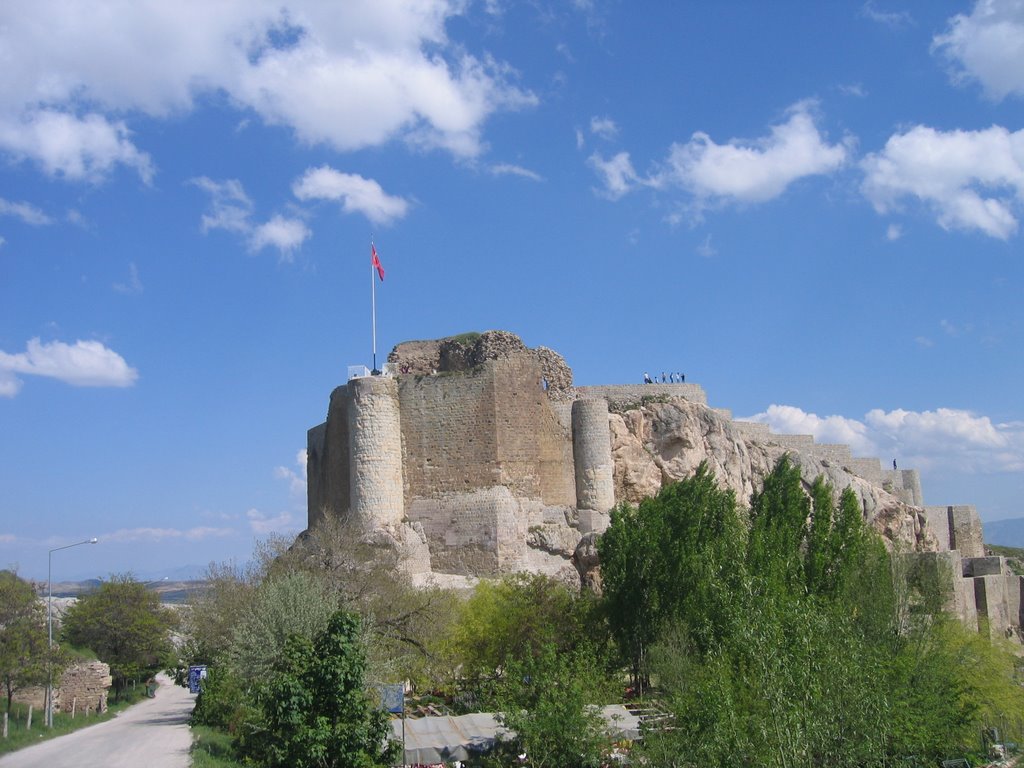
(778, 529)
(290, 604)
(514, 619)
(24, 648)
(546, 699)
(676, 556)
(315, 710)
(124, 624)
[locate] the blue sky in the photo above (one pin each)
(811, 209)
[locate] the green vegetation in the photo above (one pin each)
(126, 627)
(25, 657)
(784, 636)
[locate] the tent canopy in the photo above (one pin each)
(446, 739)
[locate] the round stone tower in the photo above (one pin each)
(375, 458)
(592, 457)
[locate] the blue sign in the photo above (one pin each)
(392, 697)
(196, 673)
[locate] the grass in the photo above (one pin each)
(1014, 556)
(19, 737)
(211, 748)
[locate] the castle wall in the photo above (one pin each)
(327, 461)
(938, 522)
(534, 450)
(965, 531)
(449, 433)
(912, 484)
(623, 394)
(375, 462)
(592, 452)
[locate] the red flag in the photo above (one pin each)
(375, 261)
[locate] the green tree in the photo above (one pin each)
(24, 652)
(288, 604)
(678, 556)
(124, 624)
(548, 699)
(315, 709)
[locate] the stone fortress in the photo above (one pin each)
(476, 456)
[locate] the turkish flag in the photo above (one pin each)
(376, 262)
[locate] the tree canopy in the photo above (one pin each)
(124, 624)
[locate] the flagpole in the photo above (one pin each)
(373, 308)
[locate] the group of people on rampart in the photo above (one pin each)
(666, 378)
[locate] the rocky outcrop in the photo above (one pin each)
(659, 442)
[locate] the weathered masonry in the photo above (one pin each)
(476, 456)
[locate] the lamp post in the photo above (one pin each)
(49, 625)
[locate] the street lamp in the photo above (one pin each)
(49, 624)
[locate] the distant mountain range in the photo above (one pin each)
(1006, 533)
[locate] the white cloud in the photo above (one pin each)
(790, 420)
(893, 232)
(348, 75)
(154, 535)
(894, 19)
(230, 207)
(284, 234)
(754, 171)
(133, 285)
(604, 127)
(25, 211)
(82, 364)
(232, 210)
(262, 524)
(943, 439)
(987, 46)
(296, 479)
(78, 148)
(706, 249)
(356, 194)
(618, 174)
(969, 179)
(508, 169)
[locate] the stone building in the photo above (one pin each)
(476, 456)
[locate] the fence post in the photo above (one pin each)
(74, 704)
(28, 722)
(5, 725)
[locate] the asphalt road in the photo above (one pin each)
(153, 734)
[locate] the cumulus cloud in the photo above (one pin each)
(970, 180)
(78, 148)
(754, 171)
(987, 46)
(82, 364)
(27, 212)
(284, 234)
(739, 171)
(347, 75)
(296, 477)
(231, 210)
(355, 193)
(946, 438)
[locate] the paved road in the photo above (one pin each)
(153, 734)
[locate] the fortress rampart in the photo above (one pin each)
(479, 457)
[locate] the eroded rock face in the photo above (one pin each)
(662, 442)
